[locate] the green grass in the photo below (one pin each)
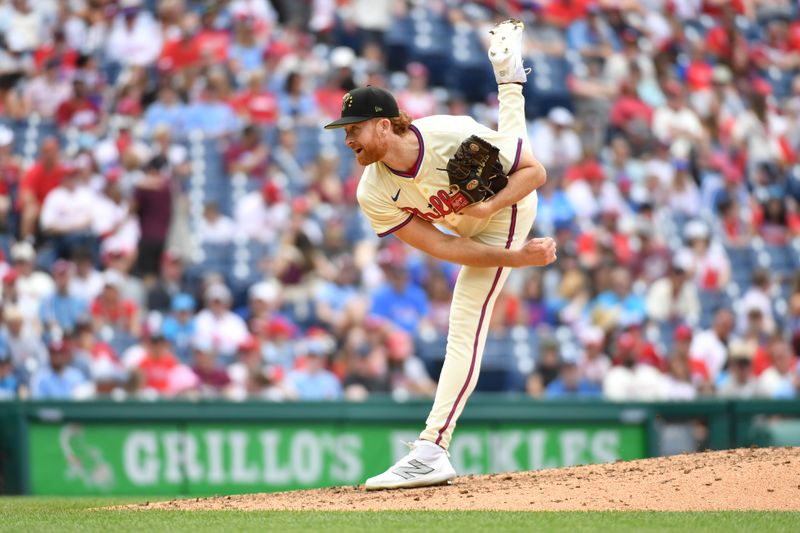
(78, 514)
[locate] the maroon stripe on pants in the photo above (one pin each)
(480, 324)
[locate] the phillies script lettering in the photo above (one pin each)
(441, 203)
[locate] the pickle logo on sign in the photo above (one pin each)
(84, 461)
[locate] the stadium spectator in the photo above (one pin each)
(780, 379)
(59, 380)
(417, 99)
(251, 378)
(570, 384)
(168, 111)
(179, 326)
(217, 325)
(113, 222)
(738, 382)
(398, 299)
(261, 214)
(407, 373)
(26, 348)
(9, 384)
(213, 378)
(248, 154)
(40, 179)
(557, 144)
(157, 365)
(630, 379)
(673, 297)
(66, 216)
(97, 358)
(61, 310)
(593, 363)
(86, 281)
(170, 283)
(547, 368)
(110, 309)
(676, 123)
(45, 92)
(134, 38)
(153, 198)
(710, 346)
(313, 381)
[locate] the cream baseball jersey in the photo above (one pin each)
(391, 197)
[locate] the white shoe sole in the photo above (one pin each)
(444, 479)
(506, 41)
(502, 36)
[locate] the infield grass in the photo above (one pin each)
(33, 514)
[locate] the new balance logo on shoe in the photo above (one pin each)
(416, 469)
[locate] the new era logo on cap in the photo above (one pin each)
(365, 103)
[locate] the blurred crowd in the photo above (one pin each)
(175, 223)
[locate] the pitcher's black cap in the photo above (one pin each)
(365, 103)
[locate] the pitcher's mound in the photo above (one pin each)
(744, 479)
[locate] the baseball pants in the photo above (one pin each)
(476, 291)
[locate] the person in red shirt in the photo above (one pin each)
(257, 105)
(629, 108)
(158, 364)
(43, 176)
(79, 111)
(182, 52)
(248, 154)
(562, 13)
(700, 376)
(212, 43)
(110, 309)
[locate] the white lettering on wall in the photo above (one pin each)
(140, 456)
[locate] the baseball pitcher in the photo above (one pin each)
(480, 184)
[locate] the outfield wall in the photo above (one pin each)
(205, 448)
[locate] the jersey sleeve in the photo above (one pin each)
(383, 214)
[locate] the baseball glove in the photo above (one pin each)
(475, 173)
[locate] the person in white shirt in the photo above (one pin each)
(135, 37)
(705, 259)
(31, 284)
(217, 325)
(554, 140)
(756, 298)
(739, 382)
(676, 123)
(45, 92)
(113, 222)
(711, 345)
(215, 227)
(262, 215)
(778, 381)
(593, 363)
(631, 380)
(673, 297)
(87, 282)
(23, 26)
(66, 214)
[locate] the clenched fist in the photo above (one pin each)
(537, 252)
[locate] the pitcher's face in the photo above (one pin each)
(368, 140)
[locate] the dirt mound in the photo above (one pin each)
(744, 479)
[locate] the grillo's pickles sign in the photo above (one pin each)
(205, 459)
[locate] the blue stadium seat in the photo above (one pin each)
(710, 303)
(743, 263)
(783, 260)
